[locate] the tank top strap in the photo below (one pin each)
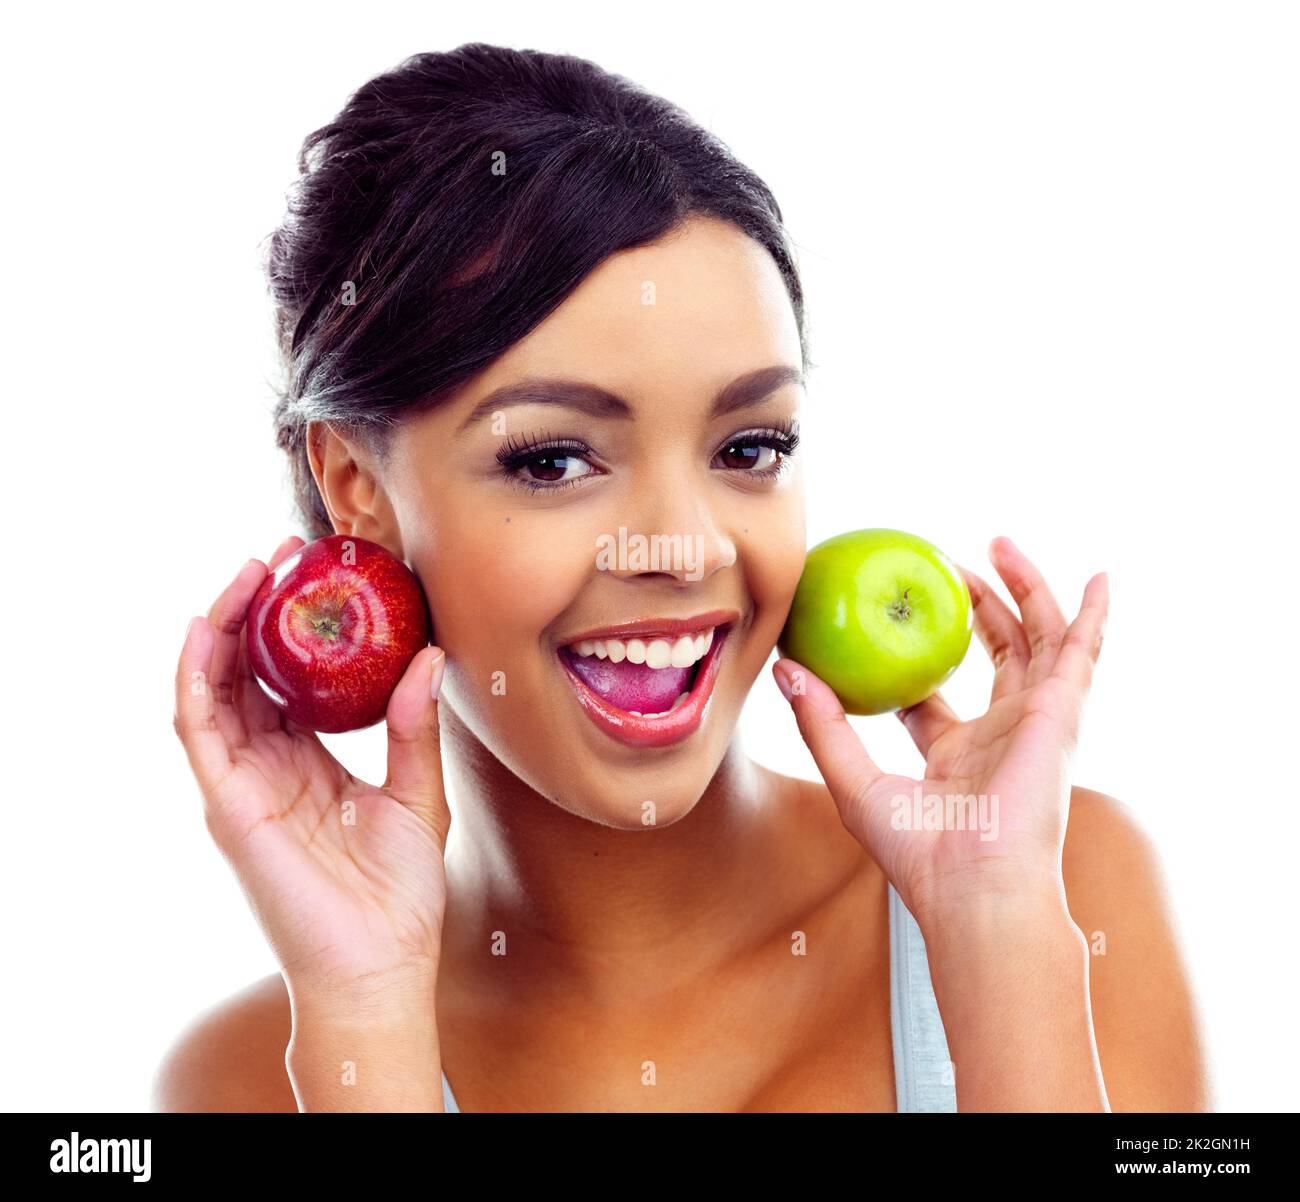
(923, 1071)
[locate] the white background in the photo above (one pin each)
(1051, 258)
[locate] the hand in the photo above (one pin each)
(1018, 753)
(346, 879)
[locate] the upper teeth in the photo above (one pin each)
(657, 653)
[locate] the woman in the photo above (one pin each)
(525, 306)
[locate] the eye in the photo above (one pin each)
(545, 466)
(759, 452)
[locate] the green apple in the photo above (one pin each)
(883, 617)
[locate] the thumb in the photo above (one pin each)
(414, 740)
(849, 772)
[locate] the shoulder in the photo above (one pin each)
(1145, 1017)
(1111, 865)
(231, 1057)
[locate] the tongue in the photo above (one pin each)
(630, 686)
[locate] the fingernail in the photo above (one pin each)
(189, 630)
(435, 678)
(783, 681)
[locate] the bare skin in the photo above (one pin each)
(667, 946)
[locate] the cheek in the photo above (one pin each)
(494, 574)
(495, 587)
(774, 552)
(491, 593)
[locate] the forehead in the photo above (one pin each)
(693, 310)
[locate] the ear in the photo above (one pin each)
(346, 477)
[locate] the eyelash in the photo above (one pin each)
(515, 456)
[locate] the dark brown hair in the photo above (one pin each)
(451, 206)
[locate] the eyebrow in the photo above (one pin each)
(741, 393)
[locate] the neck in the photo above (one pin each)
(595, 909)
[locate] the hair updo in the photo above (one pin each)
(451, 206)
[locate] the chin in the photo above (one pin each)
(638, 808)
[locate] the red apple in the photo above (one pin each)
(332, 630)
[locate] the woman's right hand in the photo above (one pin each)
(345, 878)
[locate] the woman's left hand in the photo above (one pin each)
(1014, 760)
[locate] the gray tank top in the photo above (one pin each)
(923, 1074)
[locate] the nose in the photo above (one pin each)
(674, 535)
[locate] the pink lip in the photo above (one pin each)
(656, 732)
(656, 627)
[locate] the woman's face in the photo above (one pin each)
(643, 507)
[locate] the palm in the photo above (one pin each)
(363, 872)
(1011, 753)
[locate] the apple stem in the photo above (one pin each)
(900, 609)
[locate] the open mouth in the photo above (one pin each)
(646, 691)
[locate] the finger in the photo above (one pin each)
(1044, 623)
(226, 617)
(414, 740)
(999, 630)
(284, 550)
(847, 769)
(195, 718)
(927, 720)
(1082, 644)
